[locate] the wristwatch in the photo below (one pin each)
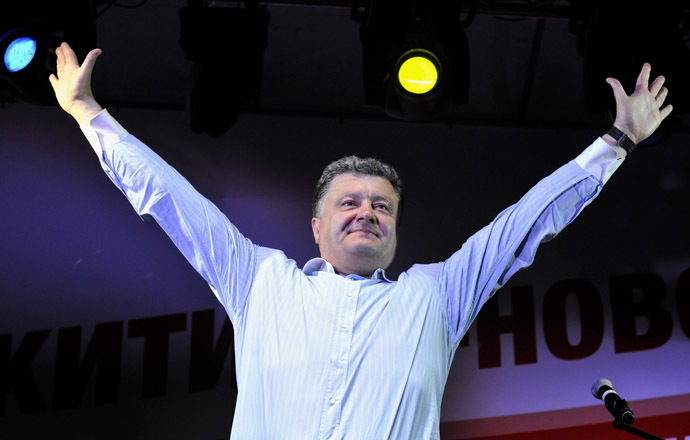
(622, 139)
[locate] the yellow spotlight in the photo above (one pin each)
(418, 71)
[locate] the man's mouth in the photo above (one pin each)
(364, 231)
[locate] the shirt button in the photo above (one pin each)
(350, 295)
(339, 361)
(332, 401)
(345, 325)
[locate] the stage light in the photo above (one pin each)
(227, 46)
(25, 67)
(418, 71)
(415, 57)
(19, 53)
(30, 32)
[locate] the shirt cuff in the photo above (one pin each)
(600, 160)
(103, 130)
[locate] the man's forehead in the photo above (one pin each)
(350, 182)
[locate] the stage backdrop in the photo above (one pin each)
(106, 332)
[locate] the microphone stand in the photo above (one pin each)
(622, 426)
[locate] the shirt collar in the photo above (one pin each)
(320, 265)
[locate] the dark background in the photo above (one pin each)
(73, 253)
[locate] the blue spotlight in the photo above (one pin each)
(27, 60)
(19, 53)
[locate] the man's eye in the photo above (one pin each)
(348, 203)
(382, 207)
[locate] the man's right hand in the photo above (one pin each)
(72, 85)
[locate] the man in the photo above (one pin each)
(335, 349)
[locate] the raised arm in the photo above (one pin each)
(202, 233)
(508, 244)
(72, 84)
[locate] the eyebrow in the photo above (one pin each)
(375, 198)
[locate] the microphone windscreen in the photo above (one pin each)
(600, 386)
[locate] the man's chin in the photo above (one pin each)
(364, 248)
(370, 247)
(369, 250)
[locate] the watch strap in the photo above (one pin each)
(622, 139)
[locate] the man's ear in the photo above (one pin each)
(315, 223)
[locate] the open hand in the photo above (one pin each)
(72, 85)
(640, 114)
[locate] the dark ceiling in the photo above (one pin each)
(524, 62)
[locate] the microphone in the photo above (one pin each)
(603, 389)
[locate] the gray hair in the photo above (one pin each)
(354, 165)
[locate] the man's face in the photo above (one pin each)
(356, 231)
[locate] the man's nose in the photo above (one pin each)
(367, 214)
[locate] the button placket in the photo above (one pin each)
(337, 376)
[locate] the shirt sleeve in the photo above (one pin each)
(509, 243)
(204, 235)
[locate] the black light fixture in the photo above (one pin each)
(615, 40)
(29, 34)
(227, 46)
(27, 56)
(415, 57)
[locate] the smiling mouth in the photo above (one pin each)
(365, 231)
